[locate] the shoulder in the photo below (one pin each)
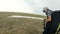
(49, 12)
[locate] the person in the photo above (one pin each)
(48, 12)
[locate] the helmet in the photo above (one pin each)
(45, 9)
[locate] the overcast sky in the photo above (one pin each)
(28, 6)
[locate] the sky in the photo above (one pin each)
(28, 6)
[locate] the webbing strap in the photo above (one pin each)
(58, 29)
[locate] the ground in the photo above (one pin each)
(20, 25)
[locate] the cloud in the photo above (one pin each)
(8, 5)
(36, 5)
(24, 7)
(28, 6)
(53, 4)
(15, 6)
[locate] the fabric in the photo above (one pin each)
(49, 12)
(55, 22)
(48, 25)
(47, 28)
(53, 27)
(58, 29)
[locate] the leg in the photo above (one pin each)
(53, 29)
(47, 29)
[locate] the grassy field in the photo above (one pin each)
(4, 14)
(20, 25)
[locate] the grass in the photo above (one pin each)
(16, 13)
(20, 25)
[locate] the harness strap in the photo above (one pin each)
(58, 29)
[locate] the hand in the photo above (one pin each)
(45, 20)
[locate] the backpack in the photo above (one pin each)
(56, 20)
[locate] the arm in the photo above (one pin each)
(48, 18)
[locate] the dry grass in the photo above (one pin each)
(20, 26)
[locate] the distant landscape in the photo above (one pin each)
(20, 25)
